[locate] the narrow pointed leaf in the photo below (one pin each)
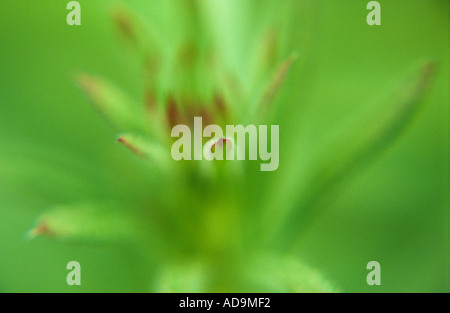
(357, 143)
(141, 40)
(152, 151)
(127, 26)
(113, 104)
(88, 222)
(277, 81)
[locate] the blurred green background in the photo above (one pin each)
(54, 149)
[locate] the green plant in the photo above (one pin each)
(220, 226)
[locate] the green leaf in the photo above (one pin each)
(276, 82)
(131, 28)
(351, 147)
(142, 41)
(146, 149)
(89, 222)
(112, 103)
